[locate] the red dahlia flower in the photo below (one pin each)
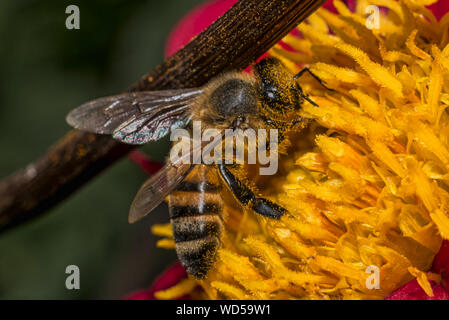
(430, 285)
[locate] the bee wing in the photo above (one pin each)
(135, 111)
(153, 125)
(156, 188)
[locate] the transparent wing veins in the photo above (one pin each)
(105, 115)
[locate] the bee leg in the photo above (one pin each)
(304, 96)
(304, 70)
(246, 197)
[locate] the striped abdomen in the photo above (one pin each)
(195, 208)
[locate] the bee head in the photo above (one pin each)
(278, 87)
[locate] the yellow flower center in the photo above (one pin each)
(367, 182)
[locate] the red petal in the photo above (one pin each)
(169, 278)
(194, 22)
(441, 263)
(144, 162)
(440, 8)
(413, 291)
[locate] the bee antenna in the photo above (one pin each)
(304, 70)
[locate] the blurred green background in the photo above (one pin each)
(46, 70)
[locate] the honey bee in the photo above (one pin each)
(269, 98)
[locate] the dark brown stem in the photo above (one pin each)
(233, 42)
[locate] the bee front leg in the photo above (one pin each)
(303, 96)
(246, 197)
